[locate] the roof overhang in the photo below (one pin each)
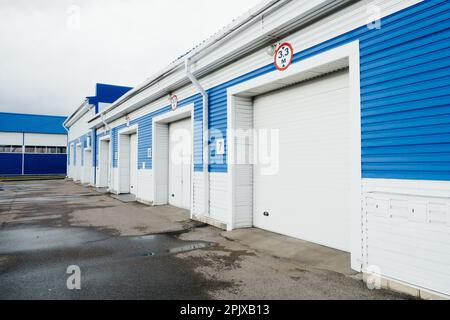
(81, 111)
(285, 25)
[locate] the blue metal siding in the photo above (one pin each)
(405, 101)
(45, 164)
(405, 97)
(10, 163)
(145, 134)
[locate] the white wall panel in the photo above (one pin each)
(218, 183)
(161, 162)
(11, 138)
(103, 106)
(198, 206)
(115, 180)
(145, 185)
(243, 168)
(407, 231)
(88, 169)
(80, 127)
(124, 163)
(49, 140)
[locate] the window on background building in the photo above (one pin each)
(41, 149)
(44, 150)
(51, 149)
(62, 150)
(5, 149)
(29, 149)
(16, 149)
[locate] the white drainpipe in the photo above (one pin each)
(102, 117)
(108, 129)
(205, 132)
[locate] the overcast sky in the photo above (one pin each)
(53, 52)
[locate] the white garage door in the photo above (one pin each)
(133, 164)
(180, 163)
(309, 196)
(87, 167)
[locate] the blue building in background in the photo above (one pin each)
(32, 144)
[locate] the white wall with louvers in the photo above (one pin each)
(407, 231)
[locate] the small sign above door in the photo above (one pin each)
(174, 102)
(284, 56)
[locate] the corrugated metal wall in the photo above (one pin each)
(145, 133)
(11, 163)
(404, 97)
(33, 164)
(405, 101)
(45, 164)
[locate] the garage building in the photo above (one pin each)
(32, 145)
(81, 141)
(327, 121)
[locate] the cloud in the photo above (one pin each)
(53, 52)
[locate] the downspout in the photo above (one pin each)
(203, 92)
(23, 153)
(67, 149)
(111, 160)
(102, 117)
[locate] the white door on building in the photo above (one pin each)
(88, 166)
(303, 191)
(180, 163)
(133, 164)
(103, 164)
(78, 163)
(72, 162)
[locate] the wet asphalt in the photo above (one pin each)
(35, 256)
(48, 226)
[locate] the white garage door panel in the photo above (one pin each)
(133, 164)
(180, 163)
(309, 197)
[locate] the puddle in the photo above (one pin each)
(148, 254)
(159, 245)
(30, 238)
(19, 200)
(190, 247)
(26, 238)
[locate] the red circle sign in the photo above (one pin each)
(174, 102)
(284, 56)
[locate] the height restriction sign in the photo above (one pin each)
(284, 56)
